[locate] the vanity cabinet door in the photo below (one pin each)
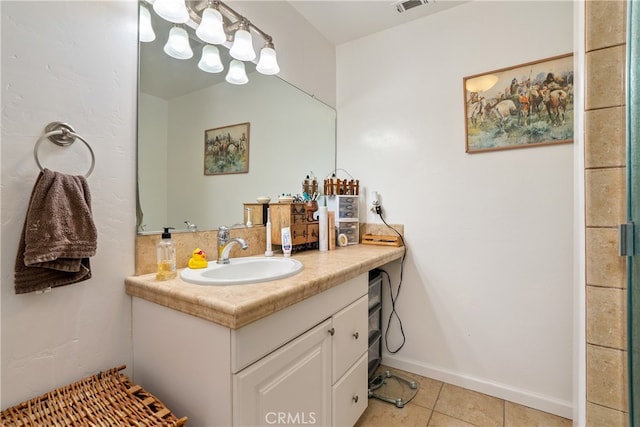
(350, 338)
(292, 385)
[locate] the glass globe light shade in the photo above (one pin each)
(236, 74)
(172, 10)
(268, 64)
(177, 45)
(211, 29)
(210, 60)
(146, 29)
(242, 47)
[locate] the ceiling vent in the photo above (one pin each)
(403, 6)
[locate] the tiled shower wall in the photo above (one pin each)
(605, 182)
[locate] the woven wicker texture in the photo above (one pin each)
(106, 399)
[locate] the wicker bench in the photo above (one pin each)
(106, 399)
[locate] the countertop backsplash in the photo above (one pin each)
(186, 242)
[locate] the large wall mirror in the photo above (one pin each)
(291, 134)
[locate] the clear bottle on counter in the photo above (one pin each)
(166, 254)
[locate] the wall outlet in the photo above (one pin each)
(375, 202)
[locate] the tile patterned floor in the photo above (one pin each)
(438, 404)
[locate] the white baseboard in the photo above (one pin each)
(527, 398)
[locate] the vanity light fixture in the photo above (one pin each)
(214, 23)
(211, 28)
(172, 10)
(178, 45)
(268, 64)
(242, 47)
(236, 75)
(146, 29)
(210, 60)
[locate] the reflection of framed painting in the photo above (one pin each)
(226, 150)
(522, 106)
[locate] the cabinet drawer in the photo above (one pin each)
(349, 229)
(345, 207)
(375, 292)
(298, 234)
(375, 355)
(348, 203)
(313, 232)
(350, 394)
(298, 219)
(350, 337)
(374, 322)
(348, 213)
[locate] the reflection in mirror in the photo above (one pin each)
(291, 135)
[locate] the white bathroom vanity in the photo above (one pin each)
(291, 351)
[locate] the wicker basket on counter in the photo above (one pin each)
(105, 399)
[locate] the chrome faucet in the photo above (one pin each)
(225, 243)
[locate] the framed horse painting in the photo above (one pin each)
(226, 149)
(527, 105)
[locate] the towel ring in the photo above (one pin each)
(63, 135)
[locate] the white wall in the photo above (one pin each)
(306, 58)
(73, 62)
(486, 300)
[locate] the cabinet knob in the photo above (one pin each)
(332, 331)
(355, 398)
(356, 335)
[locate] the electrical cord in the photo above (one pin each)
(378, 211)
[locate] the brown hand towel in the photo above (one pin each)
(58, 236)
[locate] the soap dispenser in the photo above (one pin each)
(166, 253)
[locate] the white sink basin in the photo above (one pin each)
(242, 271)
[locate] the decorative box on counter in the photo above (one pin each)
(257, 212)
(299, 218)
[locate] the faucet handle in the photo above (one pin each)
(223, 234)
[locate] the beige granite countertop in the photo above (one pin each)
(239, 305)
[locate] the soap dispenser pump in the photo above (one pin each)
(166, 254)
